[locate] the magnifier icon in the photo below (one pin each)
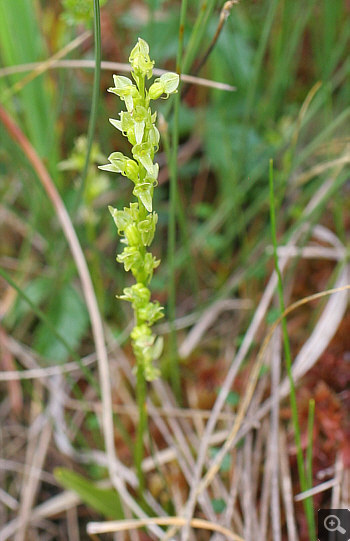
(332, 524)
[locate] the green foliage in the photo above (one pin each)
(104, 501)
(68, 314)
(136, 224)
(272, 315)
(79, 11)
(233, 398)
(34, 107)
(95, 184)
(36, 291)
(226, 462)
(307, 502)
(219, 505)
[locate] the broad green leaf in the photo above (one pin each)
(104, 501)
(36, 291)
(68, 314)
(35, 105)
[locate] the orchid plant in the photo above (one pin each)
(136, 224)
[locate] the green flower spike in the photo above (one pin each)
(136, 224)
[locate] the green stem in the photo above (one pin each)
(310, 429)
(94, 104)
(184, 227)
(198, 31)
(141, 387)
(293, 400)
(174, 361)
(94, 262)
(258, 60)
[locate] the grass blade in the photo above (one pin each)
(94, 103)
(293, 400)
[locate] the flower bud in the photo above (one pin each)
(155, 91)
(132, 170)
(142, 332)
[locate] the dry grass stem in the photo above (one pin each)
(316, 490)
(276, 360)
(286, 488)
(110, 66)
(41, 67)
(208, 318)
(36, 453)
(116, 526)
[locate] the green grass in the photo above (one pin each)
(303, 475)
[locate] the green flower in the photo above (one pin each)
(125, 89)
(125, 124)
(123, 218)
(145, 192)
(153, 136)
(150, 263)
(151, 312)
(132, 235)
(131, 259)
(122, 164)
(166, 84)
(143, 153)
(141, 118)
(147, 228)
(138, 294)
(136, 224)
(147, 349)
(140, 60)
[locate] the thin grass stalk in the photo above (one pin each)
(41, 67)
(199, 28)
(259, 59)
(310, 429)
(142, 424)
(195, 38)
(173, 170)
(110, 66)
(224, 14)
(183, 223)
(293, 401)
(286, 59)
(94, 102)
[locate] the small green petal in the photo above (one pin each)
(122, 82)
(109, 167)
(139, 129)
(170, 82)
(116, 123)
